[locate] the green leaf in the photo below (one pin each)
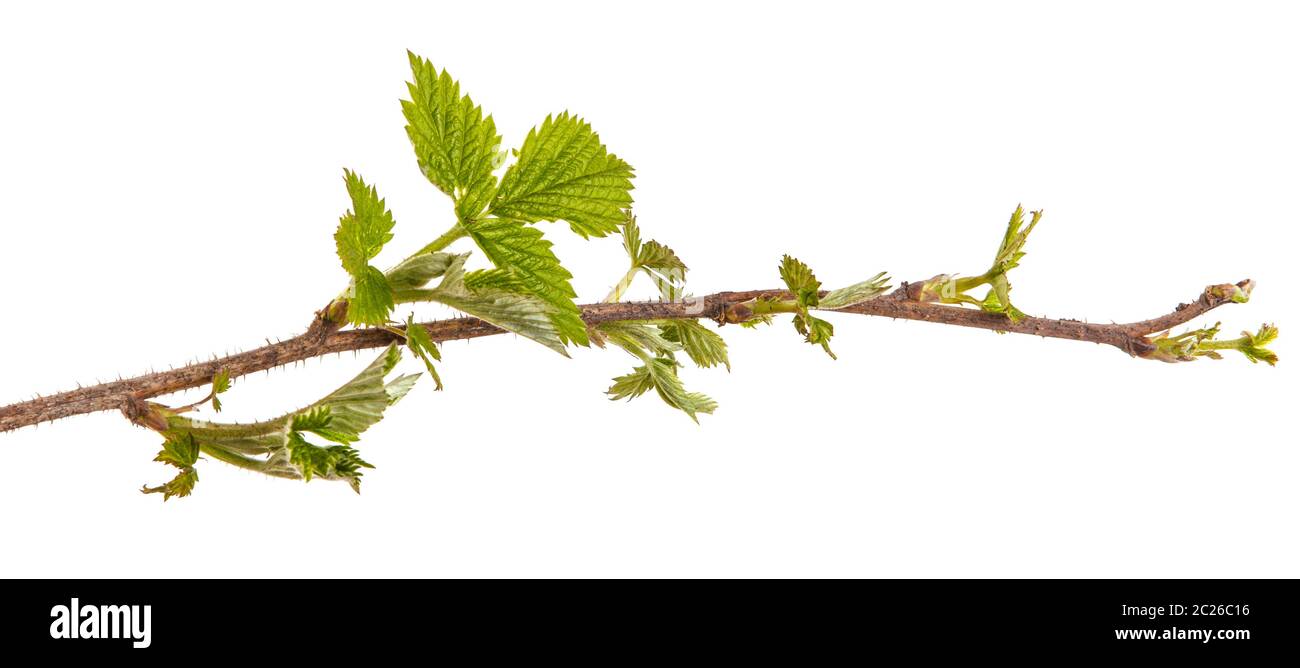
(361, 234)
(220, 385)
(494, 279)
(415, 272)
(318, 421)
(400, 386)
(660, 259)
(522, 251)
(704, 346)
(340, 416)
(815, 331)
(179, 451)
(1010, 251)
(456, 146)
(181, 485)
(801, 281)
(423, 347)
(855, 294)
(660, 374)
(335, 462)
(655, 258)
(640, 339)
(565, 173)
(365, 228)
(1253, 346)
(370, 298)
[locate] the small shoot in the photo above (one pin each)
(950, 289)
(181, 451)
(660, 374)
(423, 347)
(652, 258)
(280, 447)
(808, 296)
(333, 462)
(1197, 343)
(220, 385)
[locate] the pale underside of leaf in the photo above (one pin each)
(855, 294)
(521, 250)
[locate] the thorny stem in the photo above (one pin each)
(724, 307)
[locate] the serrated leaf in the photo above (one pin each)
(565, 173)
(660, 374)
(221, 382)
(855, 294)
(505, 307)
(361, 234)
(220, 385)
(521, 250)
(423, 347)
(1254, 345)
(318, 421)
(1010, 251)
(457, 148)
(340, 416)
(370, 298)
(179, 451)
(704, 346)
(662, 260)
(330, 462)
(632, 238)
(400, 386)
(815, 331)
(494, 279)
(365, 228)
(801, 281)
(182, 485)
(640, 339)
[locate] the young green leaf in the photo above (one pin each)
(855, 294)
(220, 385)
(565, 173)
(652, 256)
(456, 146)
(179, 451)
(1010, 251)
(340, 416)
(1253, 345)
(181, 485)
(423, 347)
(639, 339)
(522, 251)
(317, 421)
(416, 271)
(815, 331)
(497, 296)
(335, 462)
(801, 281)
(362, 233)
(660, 374)
(655, 260)
(704, 346)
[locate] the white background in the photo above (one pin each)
(171, 182)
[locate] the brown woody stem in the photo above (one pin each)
(324, 338)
